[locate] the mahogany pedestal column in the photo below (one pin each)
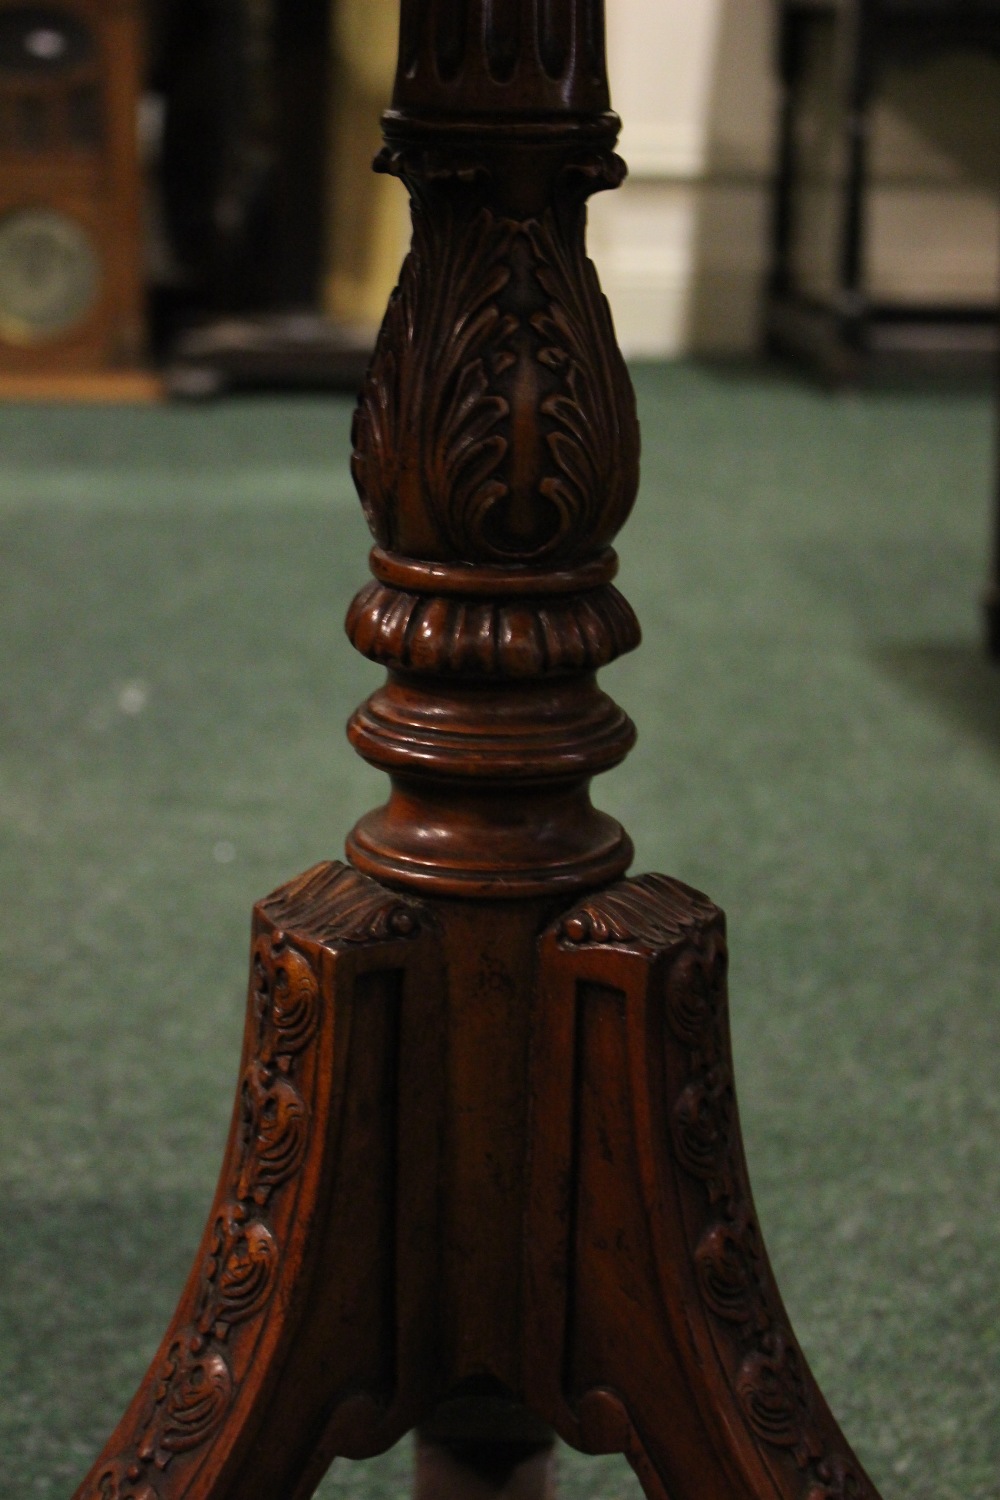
(485, 1177)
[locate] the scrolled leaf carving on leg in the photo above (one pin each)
(728, 1264)
(189, 1403)
(837, 1480)
(196, 1383)
(775, 1397)
(768, 1373)
(641, 968)
(210, 1387)
(124, 1481)
(239, 1271)
(702, 1121)
(290, 997)
(275, 1131)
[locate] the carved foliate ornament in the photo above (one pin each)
(196, 1382)
(497, 423)
(735, 1310)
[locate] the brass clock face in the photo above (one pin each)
(50, 275)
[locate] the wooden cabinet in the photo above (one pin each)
(71, 287)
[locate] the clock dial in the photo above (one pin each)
(50, 275)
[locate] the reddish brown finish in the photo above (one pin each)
(485, 1176)
(92, 177)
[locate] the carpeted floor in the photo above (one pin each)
(819, 749)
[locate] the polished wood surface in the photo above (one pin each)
(484, 1177)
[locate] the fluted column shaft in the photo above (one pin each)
(506, 56)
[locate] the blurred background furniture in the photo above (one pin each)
(245, 178)
(166, 197)
(842, 326)
(992, 600)
(71, 285)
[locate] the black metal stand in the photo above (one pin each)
(847, 333)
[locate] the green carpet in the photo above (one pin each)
(819, 749)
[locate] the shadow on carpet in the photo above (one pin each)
(955, 678)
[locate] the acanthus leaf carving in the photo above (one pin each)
(594, 441)
(430, 386)
(650, 910)
(335, 904)
(497, 421)
(466, 437)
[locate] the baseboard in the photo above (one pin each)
(125, 387)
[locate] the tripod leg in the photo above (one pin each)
(646, 1264)
(297, 1276)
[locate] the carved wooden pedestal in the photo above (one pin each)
(485, 1177)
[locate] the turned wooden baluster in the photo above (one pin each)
(484, 1177)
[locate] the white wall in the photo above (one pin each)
(692, 82)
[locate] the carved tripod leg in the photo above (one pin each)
(646, 1265)
(301, 1324)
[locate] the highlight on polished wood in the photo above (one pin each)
(485, 1178)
